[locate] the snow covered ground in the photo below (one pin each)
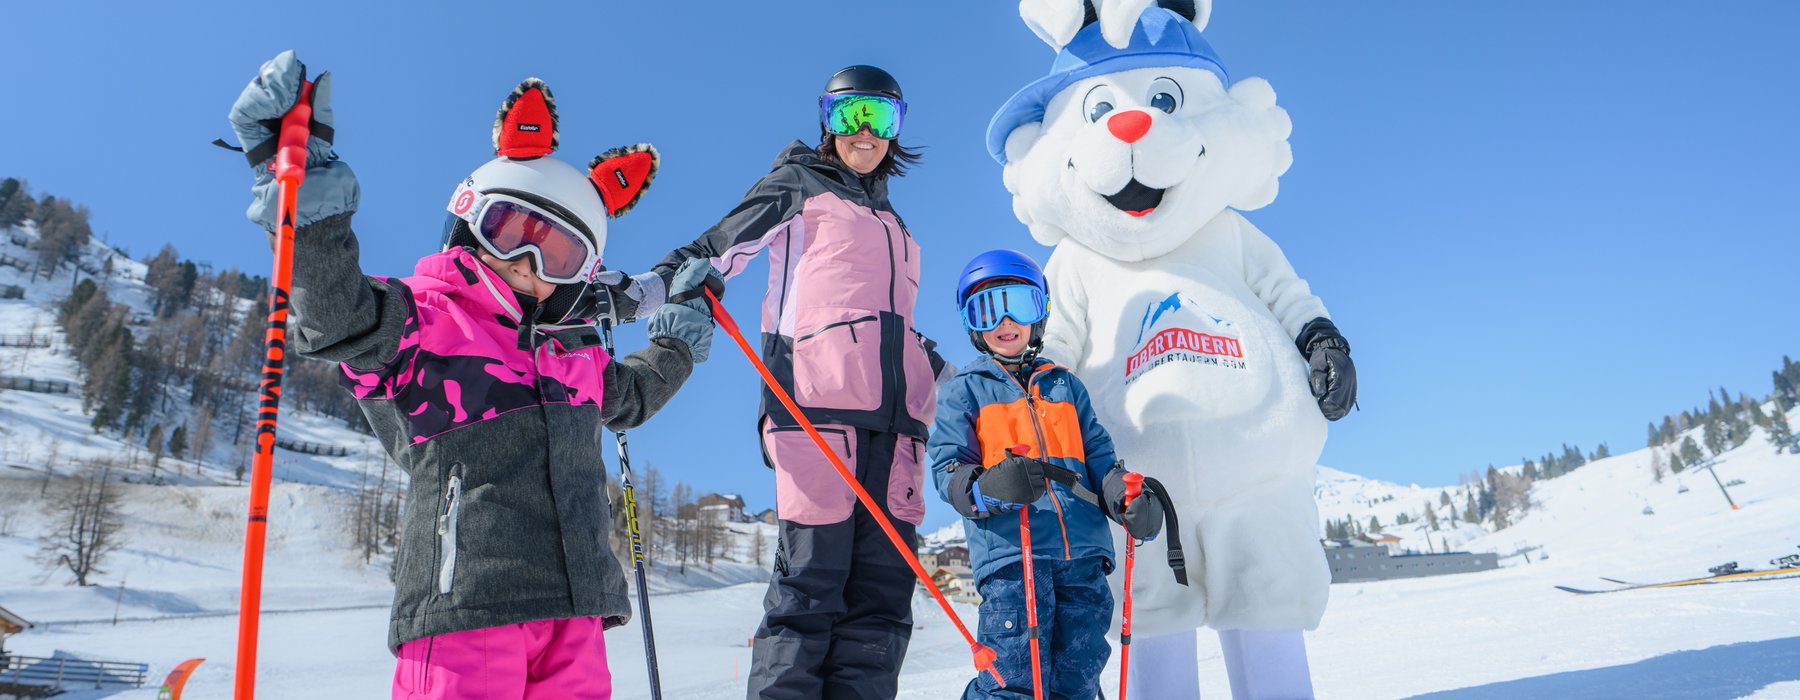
(1496, 634)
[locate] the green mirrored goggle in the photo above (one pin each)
(847, 113)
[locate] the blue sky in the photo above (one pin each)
(1536, 222)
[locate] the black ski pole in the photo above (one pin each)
(637, 537)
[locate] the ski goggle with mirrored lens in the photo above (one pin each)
(509, 227)
(1023, 303)
(847, 113)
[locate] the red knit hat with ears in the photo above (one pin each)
(622, 174)
(526, 125)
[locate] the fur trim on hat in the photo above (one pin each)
(526, 139)
(622, 174)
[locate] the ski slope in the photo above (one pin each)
(1496, 634)
(1503, 633)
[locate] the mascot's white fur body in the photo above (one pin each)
(1181, 318)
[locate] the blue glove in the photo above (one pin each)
(330, 187)
(689, 320)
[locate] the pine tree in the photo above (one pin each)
(1675, 465)
(1453, 517)
(1374, 524)
(1602, 452)
(1444, 499)
(1780, 433)
(1667, 431)
(1469, 514)
(1690, 452)
(1655, 437)
(1713, 433)
(178, 441)
(1431, 518)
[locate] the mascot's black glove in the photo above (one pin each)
(1143, 519)
(1333, 376)
(1010, 485)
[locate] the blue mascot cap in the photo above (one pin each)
(1160, 39)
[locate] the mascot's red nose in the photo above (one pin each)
(1129, 126)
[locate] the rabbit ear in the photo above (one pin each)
(1055, 21)
(1118, 18)
(526, 126)
(1199, 12)
(622, 174)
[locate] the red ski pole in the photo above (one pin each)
(1031, 621)
(290, 170)
(1134, 486)
(984, 656)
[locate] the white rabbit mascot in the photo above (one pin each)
(1210, 361)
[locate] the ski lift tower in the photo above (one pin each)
(1709, 465)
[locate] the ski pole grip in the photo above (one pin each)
(719, 316)
(1134, 487)
(985, 656)
(290, 154)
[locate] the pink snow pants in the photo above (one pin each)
(535, 660)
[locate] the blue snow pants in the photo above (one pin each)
(1074, 610)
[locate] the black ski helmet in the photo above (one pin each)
(867, 79)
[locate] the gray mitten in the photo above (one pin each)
(690, 320)
(330, 187)
(633, 296)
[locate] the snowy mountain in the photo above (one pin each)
(1501, 633)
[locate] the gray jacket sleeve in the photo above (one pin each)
(338, 313)
(637, 385)
(744, 232)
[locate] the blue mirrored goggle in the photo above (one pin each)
(1022, 303)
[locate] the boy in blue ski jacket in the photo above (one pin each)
(1010, 397)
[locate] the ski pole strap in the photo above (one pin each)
(1072, 480)
(1172, 527)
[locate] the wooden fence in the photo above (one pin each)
(24, 341)
(41, 386)
(312, 448)
(64, 672)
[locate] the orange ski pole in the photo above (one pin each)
(1031, 621)
(290, 170)
(1134, 486)
(984, 656)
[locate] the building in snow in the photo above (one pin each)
(1351, 563)
(721, 508)
(10, 625)
(769, 516)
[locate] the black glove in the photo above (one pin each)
(1143, 519)
(1009, 485)
(1333, 376)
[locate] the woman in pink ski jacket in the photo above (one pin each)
(837, 332)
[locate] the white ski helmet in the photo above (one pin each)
(526, 131)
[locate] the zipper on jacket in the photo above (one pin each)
(446, 530)
(851, 323)
(1038, 428)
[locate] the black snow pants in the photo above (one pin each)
(838, 614)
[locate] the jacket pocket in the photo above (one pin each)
(446, 530)
(904, 479)
(808, 489)
(837, 359)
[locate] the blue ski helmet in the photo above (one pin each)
(1002, 264)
